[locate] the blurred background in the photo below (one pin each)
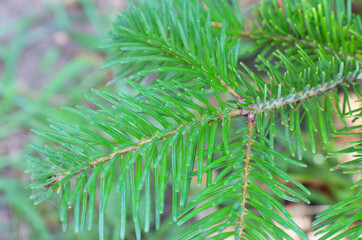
(50, 57)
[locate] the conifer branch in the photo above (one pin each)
(303, 95)
(280, 38)
(296, 42)
(223, 83)
(96, 162)
(176, 125)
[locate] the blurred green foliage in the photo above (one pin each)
(37, 76)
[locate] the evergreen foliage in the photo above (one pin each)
(338, 220)
(181, 126)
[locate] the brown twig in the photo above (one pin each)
(251, 123)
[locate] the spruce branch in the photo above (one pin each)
(158, 136)
(304, 95)
(319, 26)
(193, 62)
(257, 35)
(96, 162)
